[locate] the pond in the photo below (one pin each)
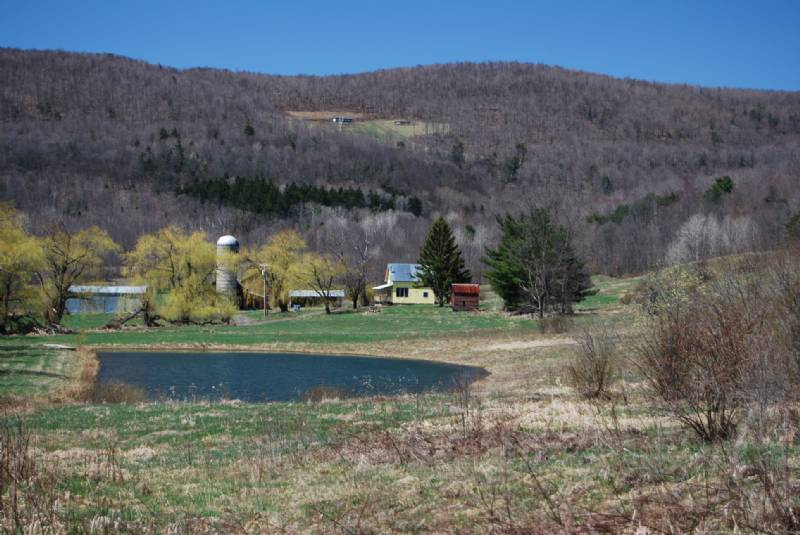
(256, 377)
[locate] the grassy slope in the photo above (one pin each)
(386, 129)
(29, 371)
(399, 322)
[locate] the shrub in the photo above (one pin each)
(695, 361)
(555, 324)
(116, 392)
(716, 346)
(592, 371)
(323, 392)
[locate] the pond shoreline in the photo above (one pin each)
(298, 349)
(265, 376)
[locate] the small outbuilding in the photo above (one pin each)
(313, 298)
(103, 298)
(465, 297)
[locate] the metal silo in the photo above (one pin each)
(226, 276)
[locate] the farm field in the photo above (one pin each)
(392, 129)
(388, 129)
(346, 327)
(514, 450)
(32, 371)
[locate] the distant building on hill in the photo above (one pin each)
(402, 286)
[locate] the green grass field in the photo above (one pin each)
(31, 371)
(345, 327)
(409, 321)
(383, 129)
(610, 291)
(387, 129)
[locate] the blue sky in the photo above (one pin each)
(713, 43)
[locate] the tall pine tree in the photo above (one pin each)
(441, 263)
(535, 268)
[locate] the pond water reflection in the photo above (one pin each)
(276, 376)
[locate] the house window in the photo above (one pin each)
(401, 292)
(425, 295)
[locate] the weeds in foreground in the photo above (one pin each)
(27, 489)
(116, 392)
(592, 371)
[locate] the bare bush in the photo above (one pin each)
(592, 371)
(116, 392)
(725, 342)
(696, 360)
(323, 392)
(555, 324)
(27, 496)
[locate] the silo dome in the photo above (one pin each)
(226, 276)
(228, 241)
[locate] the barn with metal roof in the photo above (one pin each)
(104, 298)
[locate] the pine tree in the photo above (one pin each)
(535, 268)
(793, 227)
(441, 263)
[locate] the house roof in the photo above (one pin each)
(403, 272)
(383, 286)
(108, 290)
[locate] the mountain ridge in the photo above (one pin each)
(81, 140)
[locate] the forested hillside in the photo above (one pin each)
(642, 172)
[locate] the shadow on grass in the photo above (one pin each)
(34, 373)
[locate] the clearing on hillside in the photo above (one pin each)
(392, 128)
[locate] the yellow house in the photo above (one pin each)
(402, 287)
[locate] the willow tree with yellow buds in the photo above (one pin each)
(70, 258)
(178, 269)
(20, 256)
(282, 256)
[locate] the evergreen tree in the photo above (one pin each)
(457, 153)
(441, 263)
(414, 206)
(721, 186)
(535, 268)
(793, 227)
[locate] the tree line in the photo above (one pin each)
(262, 196)
(535, 269)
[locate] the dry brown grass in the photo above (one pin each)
(323, 115)
(82, 382)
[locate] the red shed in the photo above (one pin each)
(465, 296)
